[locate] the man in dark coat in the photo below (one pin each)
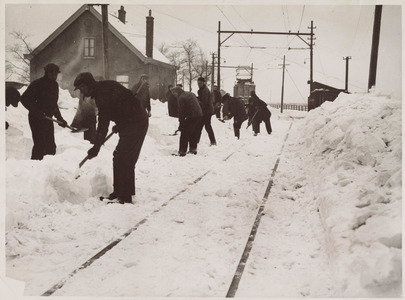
(236, 109)
(172, 103)
(262, 113)
(190, 115)
(41, 100)
(141, 91)
(204, 97)
(116, 103)
(217, 102)
(13, 97)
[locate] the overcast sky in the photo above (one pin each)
(341, 30)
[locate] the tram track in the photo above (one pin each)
(114, 243)
(239, 272)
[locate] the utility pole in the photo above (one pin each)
(104, 12)
(282, 86)
(347, 73)
(219, 56)
(206, 69)
(374, 47)
(212, 73)
(311, 58)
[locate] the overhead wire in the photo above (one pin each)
(241, 17)
(231, 24)
(365, 35)
(357, 27)
(302, 16)
(295, 85)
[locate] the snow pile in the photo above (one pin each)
(341, 167)
(349, 153)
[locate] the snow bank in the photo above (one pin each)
(351, 156)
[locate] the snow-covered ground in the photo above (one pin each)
(331, 224)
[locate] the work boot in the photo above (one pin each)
(111, 196)
(193, 151)
(179, 154)
(125, 199)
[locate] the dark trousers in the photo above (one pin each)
(190, 134)
(125, 156)
(43, 137)
(262, 116)
(217, 110)
(206, 122)
(237, 124)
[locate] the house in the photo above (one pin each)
(320, 93)
(77, 46)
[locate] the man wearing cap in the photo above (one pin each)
(116, 103)
(41, 100)
(190, 115)
(204, 97)
(141, 91)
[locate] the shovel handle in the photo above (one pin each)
(87, 157)
(59, 122)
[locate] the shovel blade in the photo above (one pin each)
(76, 130)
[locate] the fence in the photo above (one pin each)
(301, 107)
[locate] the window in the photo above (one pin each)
(124, 80)
(89, 47)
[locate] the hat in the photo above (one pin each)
(178, 90)
(52, 68)
(82, 79)
(201, 79)
(144, 75)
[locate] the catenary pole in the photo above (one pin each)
(104, 14)
(374, 47)
(347, 73)
(219, 56)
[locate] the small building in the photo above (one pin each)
(320, 93)
(242, 89)
(77, 46)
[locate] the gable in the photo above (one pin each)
(126, 33)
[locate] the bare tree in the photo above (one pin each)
(200, 66)
(164, 49)
(190, 53)
(17, 64)
(189, 59)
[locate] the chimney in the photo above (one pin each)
(121, 14)
(149, 35)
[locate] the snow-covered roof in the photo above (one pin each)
(127, 33)
(132, 34)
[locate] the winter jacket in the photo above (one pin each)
(42, 96)
(172, 105)
(261, 107)
(116, 103)
(236, 109)
(143, 94)
(188, 105)
(204, 97)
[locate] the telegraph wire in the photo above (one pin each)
(241, 17)
(357, 27)
(295, 85)
(302, 15)
(365, 35)
(231, 24)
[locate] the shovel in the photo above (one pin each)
(251, 120)
(171, 134)
(77, 175)
(74, 130)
